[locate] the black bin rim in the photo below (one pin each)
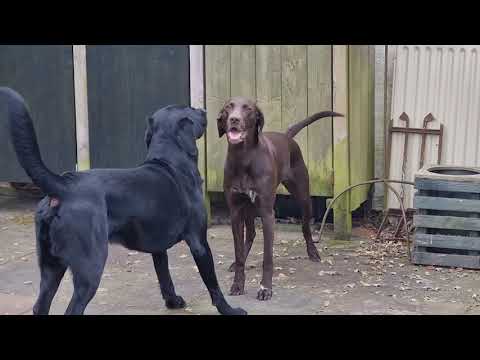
(453, 170)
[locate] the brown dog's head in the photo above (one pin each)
(240, 119)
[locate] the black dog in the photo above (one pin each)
(148, 208)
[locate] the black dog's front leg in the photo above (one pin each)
(172, 301)
(204, 260)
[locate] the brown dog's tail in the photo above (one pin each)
(295, 128)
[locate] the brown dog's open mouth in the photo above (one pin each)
(235, 136)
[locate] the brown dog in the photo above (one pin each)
(256, 164)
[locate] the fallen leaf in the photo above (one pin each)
(326, 303)
(278, 268)
(220, 263)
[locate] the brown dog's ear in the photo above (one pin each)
(260, 121)
(221, 119)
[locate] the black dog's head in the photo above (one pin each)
(182, 124)
(241, 119)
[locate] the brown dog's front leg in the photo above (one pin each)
(238, 286)
(268, 221)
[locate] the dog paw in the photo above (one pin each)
(176, 302)
(236, 289)
(264, 294)
(232, 267)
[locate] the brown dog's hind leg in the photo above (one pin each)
(300, 190)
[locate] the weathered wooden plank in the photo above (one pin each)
(197, 99)
(81, 106)
(447, 241)
(452, 204)
(443, 185)
(356, 123)
(217, 82)
(269, 85)
(242, 73)
(446, 222)
(319, 152)
(341, 158)
(294, 90)
(464, 261)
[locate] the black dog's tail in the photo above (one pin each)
(295, 128)
(24, 141)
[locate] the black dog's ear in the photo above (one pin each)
(260, 121)
(186, 137)
(221, 119)
(149, 131)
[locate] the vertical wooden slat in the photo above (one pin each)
(341, 159)
(242, 75)
(269, 85)
(294, 90)
(81, 106)
(319, 151)
(197, 100)
(217, 72)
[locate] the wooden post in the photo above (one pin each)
(197, 99)
(341, 150)
(81, 106)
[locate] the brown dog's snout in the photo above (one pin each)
(234, 120)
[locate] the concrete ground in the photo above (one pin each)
(355, 277)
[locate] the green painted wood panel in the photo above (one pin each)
(289, 83)
(269, 84)
(319, 145)
(360, 121)
(217, 88)
(125, 85)
(242, 71)
(44, 77)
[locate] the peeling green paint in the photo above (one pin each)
(83, 165)
(341, 208)
(321, 175)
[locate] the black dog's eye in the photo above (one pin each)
(246, 107)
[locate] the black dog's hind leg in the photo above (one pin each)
(51, 270)
(86, 279)
(204, 260)
(172, 301)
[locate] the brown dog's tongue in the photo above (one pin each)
(234, 135)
